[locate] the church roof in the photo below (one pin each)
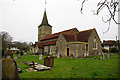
(69, 37)
(44, 20)
(55, 35)
(48, 43)
(83, 36)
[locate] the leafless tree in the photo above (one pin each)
(112, 7)
(6, 40)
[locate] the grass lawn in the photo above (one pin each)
(72, 68)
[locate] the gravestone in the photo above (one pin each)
(25, 53)
(18, 56)
(58, 55)
(21, 53)
(108, 55)
(49, 61)
(103, 56)
(8, 54)
(40, 57)
(15, 58)
(9, 69)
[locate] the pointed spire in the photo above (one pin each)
(44, 20)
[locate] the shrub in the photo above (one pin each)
(29, 53)
(105, 50)
(114, 50)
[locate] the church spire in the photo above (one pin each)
(44, 20)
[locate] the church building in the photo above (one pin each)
(68, 43)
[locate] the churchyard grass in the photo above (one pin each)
(72, 68)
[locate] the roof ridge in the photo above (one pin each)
(66, 30)
(87, 30)
(59, 33)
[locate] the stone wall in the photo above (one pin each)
(50, 49)
(46, 49)
(90, 44)
(53, 49)
(61, 46)
(77, 49)
(44, 31)
(72, 49)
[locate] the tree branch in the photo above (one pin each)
(111, 5)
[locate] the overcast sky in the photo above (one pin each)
(21, 18)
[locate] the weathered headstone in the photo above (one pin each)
(18, 56)
(58, 55)
(31, 69)
(25, 53)
(15, 58)
(21, 53)
(49, 61)
(8, 56)
(108, 55)
(9, 69)
(40, 57)
(103, 56)
(8, 53)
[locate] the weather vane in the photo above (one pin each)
(45, 2)
(45, 5)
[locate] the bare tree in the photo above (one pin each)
(21, 45)
(112, 7)
(6, 40)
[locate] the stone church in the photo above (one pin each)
(66, 43)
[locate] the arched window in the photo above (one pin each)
(94, 43)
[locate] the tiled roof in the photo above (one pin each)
(48, 43)
(109, 42)
(83, 36)
(57, 34)
(69, 37)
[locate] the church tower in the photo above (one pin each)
(44, 29)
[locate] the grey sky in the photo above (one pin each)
(21, 18)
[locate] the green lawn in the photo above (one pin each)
(72, 68)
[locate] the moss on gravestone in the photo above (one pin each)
(9, 69)
(8, 52)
